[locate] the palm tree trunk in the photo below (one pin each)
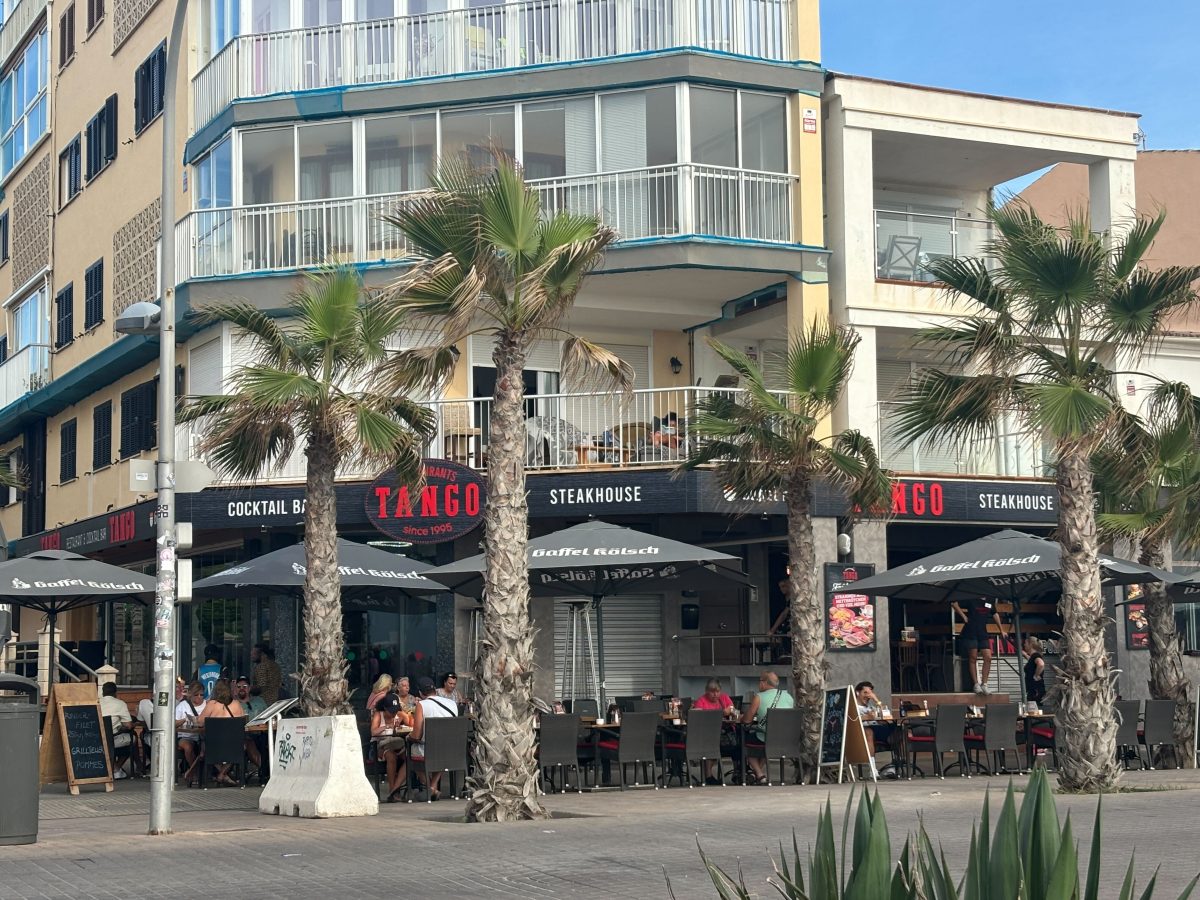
(1167, 678)
(504, 787)
(323, 686)
(808, 619)
(1086, 713)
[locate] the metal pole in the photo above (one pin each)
(600, 655)
(162, 777)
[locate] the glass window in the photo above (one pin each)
(214, 177)
(326, 161)
(764, 132)
(268, 166)
(23, 103)
(714, 127)
(267, 16)
(30, 322)
(474, 133)
(559, 138)
(400, 153)
(368, 10)
(222, 19)
(637, 129)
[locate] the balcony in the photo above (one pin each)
(1010, 454)
(26, 370)
(18, 17)
(906, 244)
(641, 204)
(483, 39)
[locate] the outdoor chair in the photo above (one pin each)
(1128, 712)
(374, 767)
(908, 660)
(120, 756)
(998, 737)
(559, 746)
(586, 707)
(700, 743)
(635, 745)
(1043, 736)
(657, 706)
(902, 258)
(458, 432)
(224, 742)
(625, 704)
(445, 751)
(1159, 731)
(949, 725)
(782, 743)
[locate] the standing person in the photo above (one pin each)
(1035, 669)
(974, 637)
(431, 706)
(209, 673)
(267, 676)
(187, 714)
(768, 698)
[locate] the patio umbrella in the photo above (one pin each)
(1008, 565)
(597, 560)
(56, 581)
(364, 570)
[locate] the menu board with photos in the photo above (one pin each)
(849, 617)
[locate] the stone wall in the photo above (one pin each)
(31, 223)
(135, 259)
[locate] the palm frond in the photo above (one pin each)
(959, 409)
(592, 365)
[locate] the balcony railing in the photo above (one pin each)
(26, 370)
(481, 39)
(664, 201)
(906, 244)
(1011, 453)
(563, 431)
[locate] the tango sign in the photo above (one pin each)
(448, 506)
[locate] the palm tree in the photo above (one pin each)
(1148, 481)
(1054, 310)
(310, 388)
(492, 264)
(766, 441)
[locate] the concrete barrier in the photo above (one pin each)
(317, 771)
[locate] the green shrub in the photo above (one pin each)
(1031, 856)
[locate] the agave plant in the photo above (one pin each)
(1031, 855)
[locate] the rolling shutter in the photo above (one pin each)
(544, 356)
(633, 644)
(205, 362)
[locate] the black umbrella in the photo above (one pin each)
(598, 560)
(56, 581)
(364, 570)
(1008, 565)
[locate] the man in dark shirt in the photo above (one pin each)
(267, 676)
(974, 637)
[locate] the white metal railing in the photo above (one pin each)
(907, 243)
(562, 431)
(481, 39)
(1011, 453)
(663, 201)
(20, 16)
(26, 370)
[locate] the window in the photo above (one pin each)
(66, 36)
(214, 177)
(220, 26)
(3, 349)
(714, 127)
(326, 160)
(70, 175)
(473, 134)
(399, 153)
(9, 495)
(269, 166)
(559, 138)
(93, 295)
(148, 82)
(95, 12)
(23, 102)
(66, 451)
(102, 436)
(64, 316)
(4, 238)
(637, 129)
(764, 132)
(102, 138)
(30, 322)
(139, 417)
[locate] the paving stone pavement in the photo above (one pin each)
(611, 845)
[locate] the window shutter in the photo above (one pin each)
(110, 128)
(4, 237)
(3, 349)
(64, 304)
(102, 435)
(66, 451)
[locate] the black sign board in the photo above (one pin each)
(84, 743)
(849, 616)
(833, 726)
(447, 507)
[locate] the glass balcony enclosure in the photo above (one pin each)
(908, 240)
(303, 194)
(254, 48)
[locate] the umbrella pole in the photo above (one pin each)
(1017, 638)
(589, 649)
(599, 653)
(53, 661)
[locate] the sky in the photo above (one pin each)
(1132, 56)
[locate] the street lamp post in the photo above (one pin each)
(148, 318)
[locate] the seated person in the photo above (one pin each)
(222, 705)
(768, 698)
(388, 715)
(407, 701)
(666, 432)
(145, 715)
(113, 707)
(430, 706)
(187, 714)
(714, 698)
(869, 707)
(250, 698)
(380, 689)
(647, 695)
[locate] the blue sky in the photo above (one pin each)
(1138, 57)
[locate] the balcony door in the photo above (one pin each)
(322, 42)
(637, 134)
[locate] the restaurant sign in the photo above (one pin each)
(447, 507)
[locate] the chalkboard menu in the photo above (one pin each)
(833, 726)
(85, 743)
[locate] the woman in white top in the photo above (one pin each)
(429, 707)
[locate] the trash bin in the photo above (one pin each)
(19, 783)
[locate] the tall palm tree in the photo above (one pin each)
(310, 387)
(492, 263)
(760, 440)
(1055, 309)
(1148, 481)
